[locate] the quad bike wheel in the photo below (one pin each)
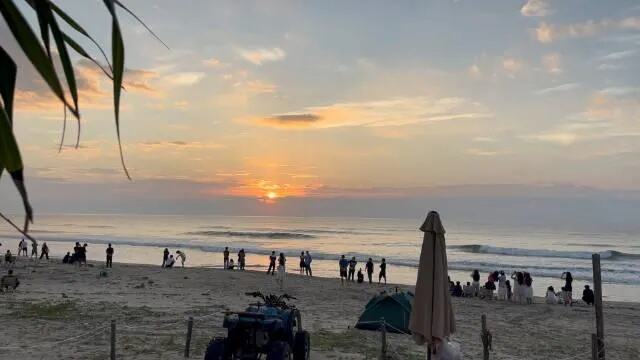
(279, 351)
(217, 350)
(302, 346)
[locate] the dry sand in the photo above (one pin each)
(56, 302)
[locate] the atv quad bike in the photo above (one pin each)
(271, 327)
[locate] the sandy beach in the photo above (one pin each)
(61, 312)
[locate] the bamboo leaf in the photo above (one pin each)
(117, 53)
(32, 49)
(75, 46)
(7, 82)
(10, 158)
(43, 21)
(64, 130)
(141, 22)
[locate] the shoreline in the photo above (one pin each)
(56, 301)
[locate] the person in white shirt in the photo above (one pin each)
(551, 297)
(467, 290)
(22, 248)
(181, 255)
(502, 286)
(170, 262)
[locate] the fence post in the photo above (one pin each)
(597, 288)
(486, 337)
(187, 346)
(383, 339)
(113, 340)
(594, 347)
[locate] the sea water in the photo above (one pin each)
(546, 254)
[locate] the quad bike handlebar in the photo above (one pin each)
(273, 300)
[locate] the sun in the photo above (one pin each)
(272, 195)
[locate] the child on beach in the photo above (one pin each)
(343, 263)
(369, 268)
(272, 263)
(182, 256)
(231, 266)
(383, 271)
(225, 255)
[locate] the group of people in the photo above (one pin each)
(23, 251)
(565, 296)
(348, 270)
(228, 263)
(79, 256)
(168, 260)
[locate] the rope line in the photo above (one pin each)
(87, 336)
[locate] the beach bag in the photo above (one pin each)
(448, 351)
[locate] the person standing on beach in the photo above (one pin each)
(282, 270)
(475, 276)
(272, 263)
(502, 286)
(352, 268)
(307, 264)
(383, 271)
(183, 257)
(22, 247)
(567, 289)
(369, 268)
(34, 249)
(241, 259)
(44, 251)
(302, 263)
(165, 257)
(109, 253)
(225, 255)
(343, 263)
(83, 254)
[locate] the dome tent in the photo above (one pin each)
(394, 308)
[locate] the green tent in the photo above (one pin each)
(394, 308)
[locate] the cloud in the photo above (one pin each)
(620, 91)
(512, 65)
(552, 63)
(258, 87)
(184, 78)
(619, 55)
(261, 55)
(482, 152)
(546, 33)
(212, 62)
(391, 112)
(559, 88)
(176, 145)
(536, 8)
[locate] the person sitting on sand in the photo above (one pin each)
(231, 266)
(551, 297)
(182, 256)
(44, 251)
(307, 264)
(475, 276)
(9, 259)
(587, 295)
(225, 255)
(165, 257)
(272, 263)
(352, 268)
(457, 290)
(241, 259)
(170, 262)
(360, 276)
(502, 286)
(343, 263)
(369, 268)
(67, 258)
(467, 290)
(9, 281)
(383, 271)
(489, 288)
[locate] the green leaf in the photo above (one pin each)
(32, 49)
(43, 21)
(117, 54)
(10, 158)
(7, 82)
(141, 22)
(75, 46)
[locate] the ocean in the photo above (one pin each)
(546, 254)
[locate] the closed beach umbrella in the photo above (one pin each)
(432, 316)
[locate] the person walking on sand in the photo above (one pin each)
(34, 249)
(369, 268)
(225, 255)
(22, 247)
(475, 276)
(302, 263)
(109, 253)
(383, 271)
(343, 263)
(182, 256)
(272, 263)
(165, 257)
(307, 264)
(44, 251)
(282, 270)
(241, 259)
(502, 286)
(352, 268)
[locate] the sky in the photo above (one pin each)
(280, 107)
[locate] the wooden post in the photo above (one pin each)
(594, 347)
(597, 289)
(187, 345)
(383, 339)
(113, 340)
(486, 337)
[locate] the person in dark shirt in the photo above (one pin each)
(241, 259)
(343, 264)
(67, 258)
(272, 263)
(457, 289)
(360, 276)
(225, 255)
(83, 254)
(587, 295)
(165, 257)
(109, 252)
(383, 271)
(44, 251)
(352, 268)
(369, 269)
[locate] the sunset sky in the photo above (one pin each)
(265, 101)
